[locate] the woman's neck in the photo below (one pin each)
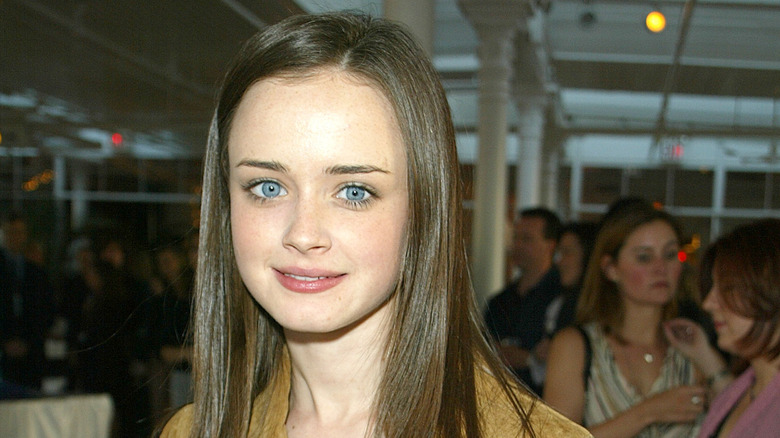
(765, 370)
(336, 376)
(641, 325)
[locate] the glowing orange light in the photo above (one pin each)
(47, 176)
(655, 22)
(682, 256)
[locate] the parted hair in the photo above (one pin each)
(600, 299)
(436, 341)
(746, 264)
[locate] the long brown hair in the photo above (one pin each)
(746, 263)
(436, 342)
(600, 299)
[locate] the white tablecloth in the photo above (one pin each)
(57, 417)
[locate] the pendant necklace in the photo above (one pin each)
(648, 357)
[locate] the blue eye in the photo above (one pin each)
(355, 194)
(268, 189)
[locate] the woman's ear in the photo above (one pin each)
(608, 268)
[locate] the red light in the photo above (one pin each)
(116, 138)
(682, 256)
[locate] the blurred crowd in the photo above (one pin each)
(113, 320)
(602, 320)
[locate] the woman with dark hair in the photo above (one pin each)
(332, 294)
(617, 372)
(574, 248)
(743, 268)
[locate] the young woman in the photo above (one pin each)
(744, 267)
(333, 296)
(616, 373)
(572, 255)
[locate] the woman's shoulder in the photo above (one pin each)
(500, 418)
(179, 425)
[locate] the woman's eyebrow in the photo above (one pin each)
(354, 169)
(269, 165)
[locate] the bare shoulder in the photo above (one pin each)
(569, 338)
(180, 425)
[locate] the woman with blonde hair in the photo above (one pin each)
(624, 370)
(333, 296)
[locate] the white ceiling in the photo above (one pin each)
(74, 71)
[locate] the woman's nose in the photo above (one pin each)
(710, 300)
(306, 229)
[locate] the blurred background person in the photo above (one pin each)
(106, 342)
(80, 280)
(571, 258)
(616, 372)
(744, 269)
(515, 317)
(27, 309)
(168, 313)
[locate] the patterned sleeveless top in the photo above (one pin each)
(609, 393)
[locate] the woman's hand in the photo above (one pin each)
(686, 336)
(677, 405)
(689, 338)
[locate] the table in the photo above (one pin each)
(89, 415)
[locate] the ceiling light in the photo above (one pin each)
(587, 17)
(655, 22)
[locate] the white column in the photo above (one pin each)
(550, 177)
(530, 136)
(495, 22)
(79, 205)
(418, 15)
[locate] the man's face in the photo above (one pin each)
(531, 248)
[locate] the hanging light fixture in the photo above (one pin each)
(588, 16)
(655, 21)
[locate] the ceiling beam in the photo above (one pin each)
(76, 29)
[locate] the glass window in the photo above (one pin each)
(120, 174)
(649, 184)
(693, 188)
(775, 186)
(564, 190)
(745, 190)
(729, 223)
(600, 185)
(6, 176)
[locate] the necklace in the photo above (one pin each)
(647, 356)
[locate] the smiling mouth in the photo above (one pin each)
(308, 283)
(303, 278)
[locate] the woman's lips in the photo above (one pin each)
(307, 281)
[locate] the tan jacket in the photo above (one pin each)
(499, 419)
